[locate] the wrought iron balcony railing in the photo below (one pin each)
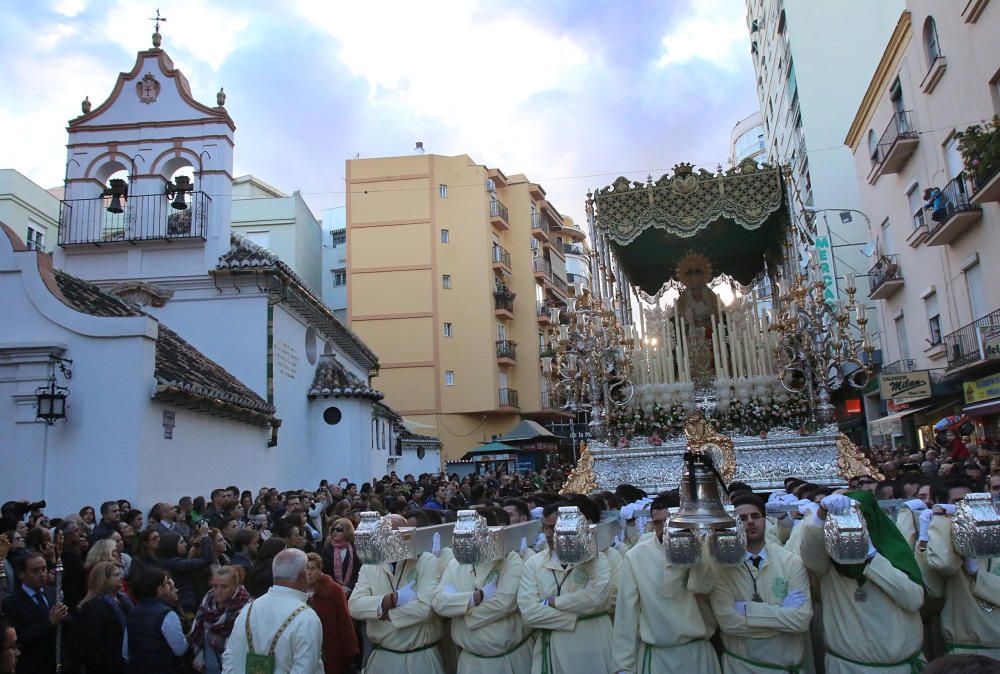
(900, 366)
(539, 223)
(508, 398)
(147, 217)
(953, 199)
(965, 344)
(573, 249)
(503, 300)
(900, 126)
(885, 269)
(501, 255)
(506, 349)
(498, 210)
(542, 266)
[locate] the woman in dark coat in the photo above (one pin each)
(173, 558)
(102, 617)
(260, 579)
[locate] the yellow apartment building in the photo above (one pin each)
(451, 269)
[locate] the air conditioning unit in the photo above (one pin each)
(490, 185)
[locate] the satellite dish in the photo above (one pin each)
(869, 249)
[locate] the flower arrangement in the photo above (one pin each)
(980, 148)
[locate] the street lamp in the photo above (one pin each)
(50, 400)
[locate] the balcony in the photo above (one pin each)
(542, 314)
(984, 183)
(542, 268)
(884, 279)
(920, 229)
(560, 285)
(952, 213)
(539, 227)
(501, 258)
(508, 399)
(499, 215)
(148, 217)
(574, 279)
(900, 366)
(967, 345)
(506, 352)
(503, 302)
(574, 249)
(898, 142)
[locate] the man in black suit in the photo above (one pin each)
(33, 612)
(110, 517)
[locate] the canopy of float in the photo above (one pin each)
(737, 218)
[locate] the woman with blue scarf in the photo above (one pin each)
(102, 619)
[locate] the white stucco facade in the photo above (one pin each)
(335, 260)
(29, 210)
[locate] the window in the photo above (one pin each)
(977, 293)
(443, 191)
(914, 197)
(447, 329)
(899, 107)
(446, 281)
(873, 146)
(953, 157)
(903, 343)
(886, 247)
(933, 318)
(338, 237)
(932, 48)
(339, 277)
(445, 236)
(449, 378)
(501, 332)
(36, 239)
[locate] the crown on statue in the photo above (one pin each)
(694, 267)
(683, 169)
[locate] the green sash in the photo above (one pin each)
(547, 641)
(509, 651)
(380, 647)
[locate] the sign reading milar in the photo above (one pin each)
(905, 386)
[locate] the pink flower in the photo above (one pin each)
(975, 162)
(623, 441)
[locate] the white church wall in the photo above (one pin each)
(410, 463)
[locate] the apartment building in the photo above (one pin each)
(30, 210)
(812, 61)
(451, 270)
(748, 140)
(934, 215)
(335, 260)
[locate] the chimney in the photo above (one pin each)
(419, 149)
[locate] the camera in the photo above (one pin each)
(18, 510)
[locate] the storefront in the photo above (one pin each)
(982, 406)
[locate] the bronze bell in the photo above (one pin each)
(701, 505)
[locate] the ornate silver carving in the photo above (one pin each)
(728, 546)
(574, 539)
(682, 546)
(975, 527)
(377, 542)
(472, 540)
(846, 536)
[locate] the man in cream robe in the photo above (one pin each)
(763, 605)
(395, 601)
(869, 628)
(481, 601)
(660, 627)
(971, 590)
(567, 604)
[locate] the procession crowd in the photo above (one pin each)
(240, 581)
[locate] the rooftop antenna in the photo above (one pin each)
(157, 38)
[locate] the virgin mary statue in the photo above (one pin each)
(696, 305)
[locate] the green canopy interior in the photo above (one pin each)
(738, 219)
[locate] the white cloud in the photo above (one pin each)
(70, 8)
(715, 32)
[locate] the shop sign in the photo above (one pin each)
(986, 388)
(824, 256)
(989, 341)
(905, 386)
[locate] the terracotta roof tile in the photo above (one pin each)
(333, 380)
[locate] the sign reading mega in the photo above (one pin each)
(905, 386)
(986, 388)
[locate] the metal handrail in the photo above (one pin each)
(541, 265)
(145, 217)
(506, 349)
(963, 345)
(573, 249)
(538, 222)
(954, 198)
(885, 269)
(508, 398)
(900, 126)
(501, 255)
(498, 210)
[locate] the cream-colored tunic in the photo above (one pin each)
(413, 630)
(615, 561)
(906, 522)
(659, 626)
(492, 637)
(883, 629)
(768, 633)
(964, 619)
(575, 637)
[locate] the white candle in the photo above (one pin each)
(715, 346)
(687, 358)
(723, 346)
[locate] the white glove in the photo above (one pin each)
(787, 499)
(794, 599)
(808, 507)
(625, 513)
(640, 523)
(436, 544)
(741, 607)
(871, 549)
(536, 513)
(971, 566)
(489, 590)
(915, 505)
(524, 545)
(540, 541)
(405, 594)
(836, 504)
(948, 508)
(450, 589)
(924, 525)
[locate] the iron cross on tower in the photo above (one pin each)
(156, 36)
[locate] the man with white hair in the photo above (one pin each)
(279, 625)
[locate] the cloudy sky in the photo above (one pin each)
(570, 92)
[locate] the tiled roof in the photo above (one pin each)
(333, 380)
(246, 255)
(181, 371)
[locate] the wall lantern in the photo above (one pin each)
(50, 400)
(177, 188)
(118, 191)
